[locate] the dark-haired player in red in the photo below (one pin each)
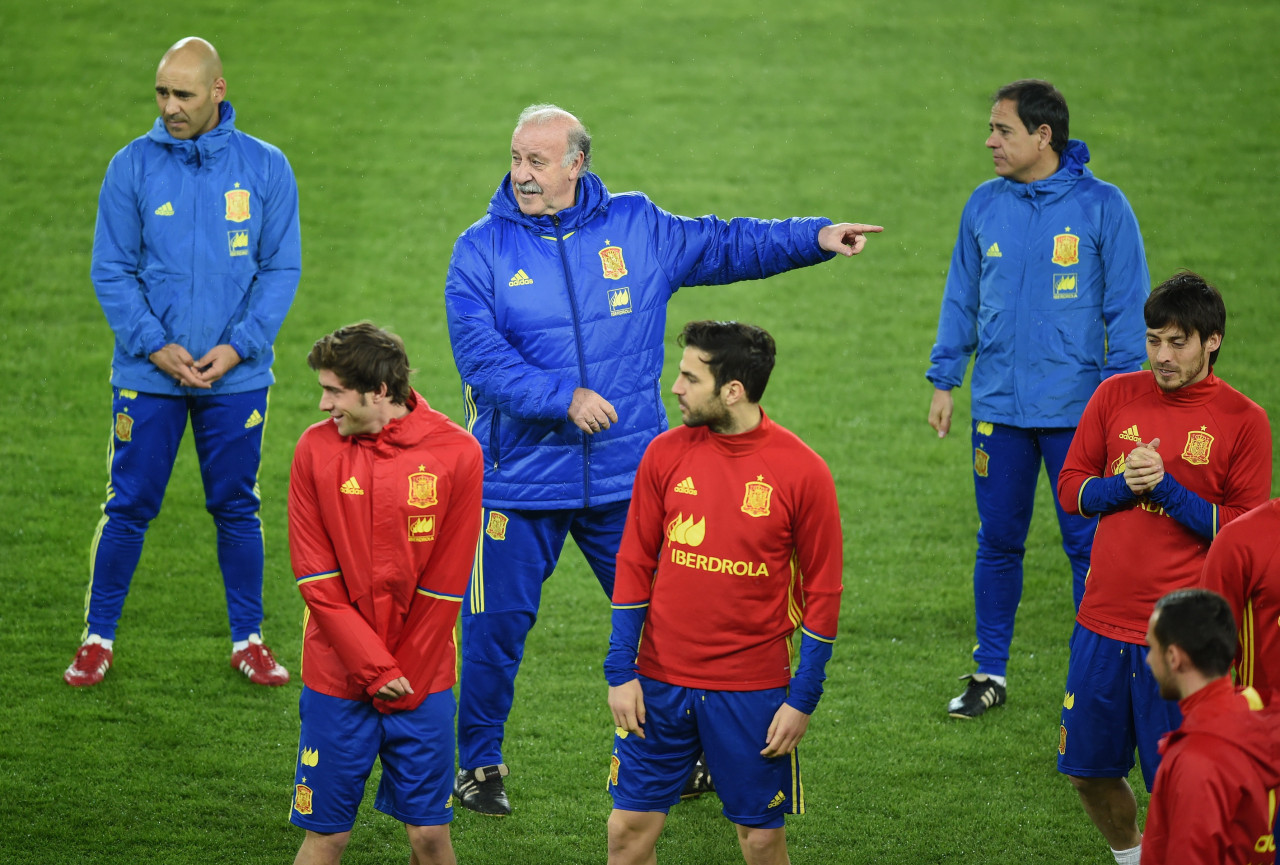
(1166, 457)
(732, 543)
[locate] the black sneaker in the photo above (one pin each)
(481, 790)
(699, 780)
(980, 694)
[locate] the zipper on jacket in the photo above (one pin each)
(582, 364)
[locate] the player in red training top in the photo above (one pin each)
(732, 543)
(1243, 566)
(1212, 799)
(1167, 458)
(384, 514)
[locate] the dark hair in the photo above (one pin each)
(1199, 622)
(1039, 102)
(364, 356)
(1189, 303)
(736, 352)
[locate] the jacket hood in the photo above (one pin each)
(1071, 168)
(203, 147)
(593, 199)
(1254, 733)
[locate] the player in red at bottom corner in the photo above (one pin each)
(732, 542)
(1214, 794)
(384, 513)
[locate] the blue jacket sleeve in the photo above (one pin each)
(806, 683)
(254, 328)
(1127, 283)
(709, 251)
(1104, 495)
(486, 361)
(624, 642)
(1185, 506)
(958, 320)
(117, 249)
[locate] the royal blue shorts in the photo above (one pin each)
(339, 742)
(1112, 706)
(730, 728)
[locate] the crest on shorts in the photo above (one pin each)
(497, 528)
(237, 204)
(614, 765)
(302, 798)
(1066, 249)
(981, 461)
(1062, 738)
(422, 527)
(611, 261)
(756, 501)
(1197, 450)
(124, 427)
(422, 488)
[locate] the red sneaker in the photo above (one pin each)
(256, 662)
(89, 666)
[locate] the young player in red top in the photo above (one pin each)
(1212, 803)
(733, 542)
(1243, 566)
(1167, 458)
(384, 514)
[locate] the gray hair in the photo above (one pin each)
(579, 137)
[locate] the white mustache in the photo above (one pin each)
(530, 188)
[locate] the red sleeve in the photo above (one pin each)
(320, 581)
(1248, 480)
(820, 554)
(1087, 456)
(1196, 806)
(428, 631)
(643, 535)
(1227, 569)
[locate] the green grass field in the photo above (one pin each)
(396, 117)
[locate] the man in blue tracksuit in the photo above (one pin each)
(196, 258)
(556, 302)
(1045, 292)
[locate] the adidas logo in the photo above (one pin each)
(994, 251)
(165, 209)
(521, 278)
(254, 420)
(351, 487)
(777, 800)
(686, 487)
(1131, 434)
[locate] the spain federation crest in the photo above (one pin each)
(981, 461)
(422, 488)
(124, 427)
(1197, 450)
(611, 261)
(302, 799)
(756, 501)
(237, 204)
(497, 528)
(1066, 249)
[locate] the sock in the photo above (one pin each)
(982, 677)
(94, 638)
(237, 645)
(1132, 856)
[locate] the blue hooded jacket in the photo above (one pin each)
(539, 306)
(197, 243)
(1045, 291)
